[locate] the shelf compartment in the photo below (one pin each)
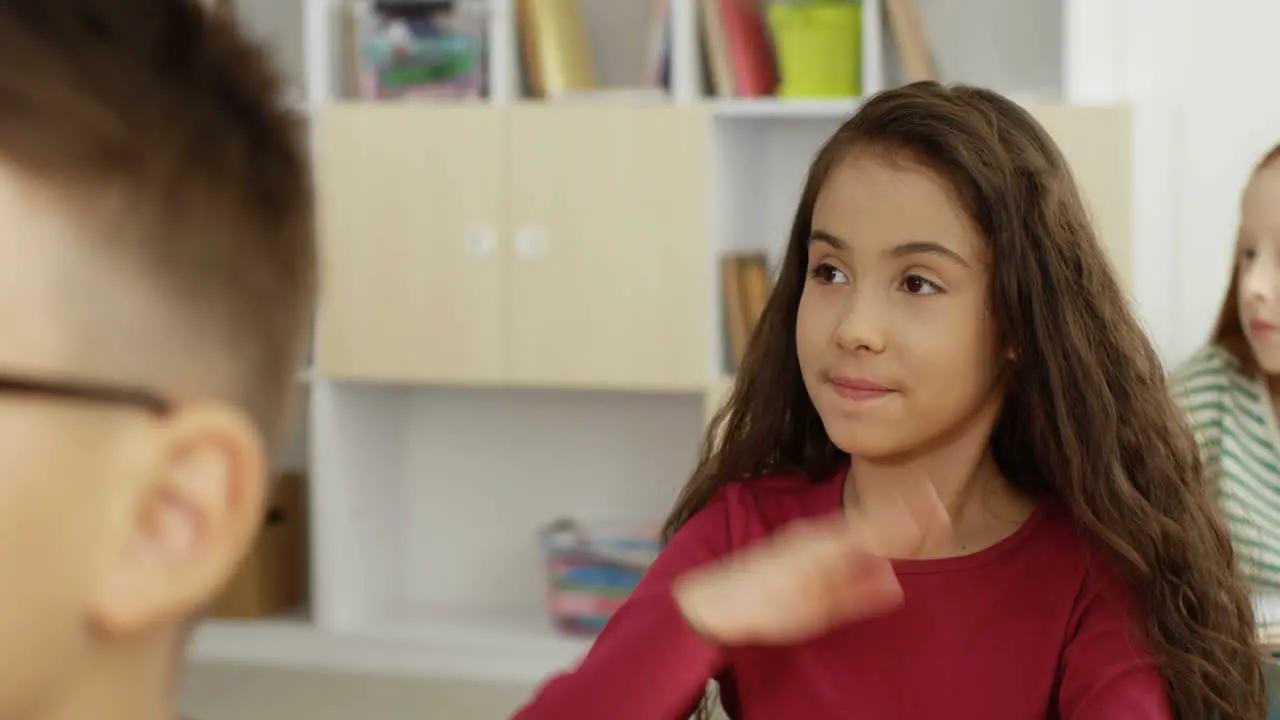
(436, 497)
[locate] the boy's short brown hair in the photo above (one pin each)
(160, 128)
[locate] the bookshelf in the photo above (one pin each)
(522, 316)
(1064, 51)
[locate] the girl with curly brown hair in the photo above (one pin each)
(949, 481)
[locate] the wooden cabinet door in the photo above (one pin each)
(1097, 143)
(410, 218)
(610, 274)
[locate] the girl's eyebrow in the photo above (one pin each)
(823, 236)
(928, 248)
(917, 247)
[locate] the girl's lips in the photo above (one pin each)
(1261, 327)
(857, 389)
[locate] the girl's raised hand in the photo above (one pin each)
(811, 576)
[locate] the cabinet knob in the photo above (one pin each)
(481, 242)
(530, 244)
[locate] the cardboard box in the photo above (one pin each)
(273, 577)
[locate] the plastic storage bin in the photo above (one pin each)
(592, 569)
(416, 51)
(818, 44)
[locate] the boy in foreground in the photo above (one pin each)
(157, 276)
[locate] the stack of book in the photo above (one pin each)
(744, 285)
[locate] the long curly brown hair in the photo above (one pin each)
(1087, 417)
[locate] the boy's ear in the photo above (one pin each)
(192, 510)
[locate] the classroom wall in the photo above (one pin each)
(1231, 117)
(1200, 75)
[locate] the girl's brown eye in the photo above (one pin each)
(917, 285)
(827, 274)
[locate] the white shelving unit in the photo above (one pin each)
(426, 501)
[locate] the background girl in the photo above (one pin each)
(949, 481)
(1229, 388)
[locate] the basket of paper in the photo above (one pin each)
(593, 568)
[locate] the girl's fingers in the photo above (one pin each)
(873, 586)
(900, 528)
(892, 531)
(924, 505)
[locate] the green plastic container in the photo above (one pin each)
(819, 47)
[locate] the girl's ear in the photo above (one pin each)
(1012, 355)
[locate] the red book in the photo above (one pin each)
(755, 73)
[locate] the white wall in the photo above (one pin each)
(1200, 73)
(1231, 116)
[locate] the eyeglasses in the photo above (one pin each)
(86, 392)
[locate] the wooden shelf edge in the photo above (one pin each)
(521, 650)
(687, 388)
(764, 108)
(782, 108)
(744, 108)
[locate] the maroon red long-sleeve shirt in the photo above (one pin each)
(1036, 626)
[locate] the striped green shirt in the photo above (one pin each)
(1235, 426)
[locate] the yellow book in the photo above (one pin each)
(560, 39)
